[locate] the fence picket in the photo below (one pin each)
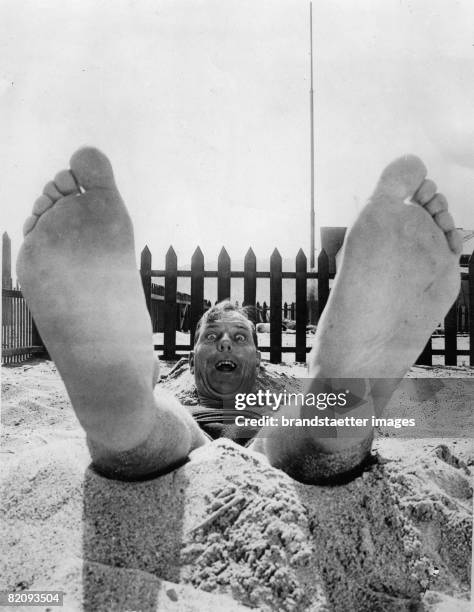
(145, 273)
(250, 278)
(275, 306)
(22, 308)
(426, 356)
(301, 305)
(14, 330)
(170, 308)
(471, 309)
(223, 276)
(18, 328)
(6, 261)
(4, 327)
(197, 289)
(450, 339)
(25, 324)
(28, 327)
(36, 338)
(323, 280)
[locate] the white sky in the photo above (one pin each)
(203, 108)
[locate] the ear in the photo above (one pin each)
(191, 362)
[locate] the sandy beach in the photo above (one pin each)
(296, 157)
(228, 532)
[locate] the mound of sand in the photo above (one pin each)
(227, 531)
(179, 381)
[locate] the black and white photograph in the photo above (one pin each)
(237, 305)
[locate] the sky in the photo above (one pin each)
(203, 109)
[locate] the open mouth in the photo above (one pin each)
(226, 365)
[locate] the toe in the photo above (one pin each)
(92, 169)
(29, 224)
(42, 204)
(437, 204)
(65, 183)
(444, 221)
(454, 239)
(438, 209)
(425, 193)
(400, 179)
(52, 192)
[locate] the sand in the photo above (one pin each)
(227, 531)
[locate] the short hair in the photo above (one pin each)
(216, 312)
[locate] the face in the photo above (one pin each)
(225, 360)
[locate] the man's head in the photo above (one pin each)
(225, 359)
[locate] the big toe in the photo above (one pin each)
(401, 179)
(92, 169)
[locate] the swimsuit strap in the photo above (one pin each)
(220, 415)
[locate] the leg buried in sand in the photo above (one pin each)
(398, 278)
(80, 235)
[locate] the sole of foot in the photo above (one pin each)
(78, 272)
(398, 277)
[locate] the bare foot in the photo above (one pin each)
(399, 276)
(78, 272)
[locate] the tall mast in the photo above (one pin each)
(311, 106)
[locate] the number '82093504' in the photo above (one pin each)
(31, 598)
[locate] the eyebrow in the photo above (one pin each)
(239, 325)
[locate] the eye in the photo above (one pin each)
(240, 337)
(211, 336)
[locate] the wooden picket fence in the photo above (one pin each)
(451, 323)
(157, 304)
(301, 275)
(20, 338)
(224, 274)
